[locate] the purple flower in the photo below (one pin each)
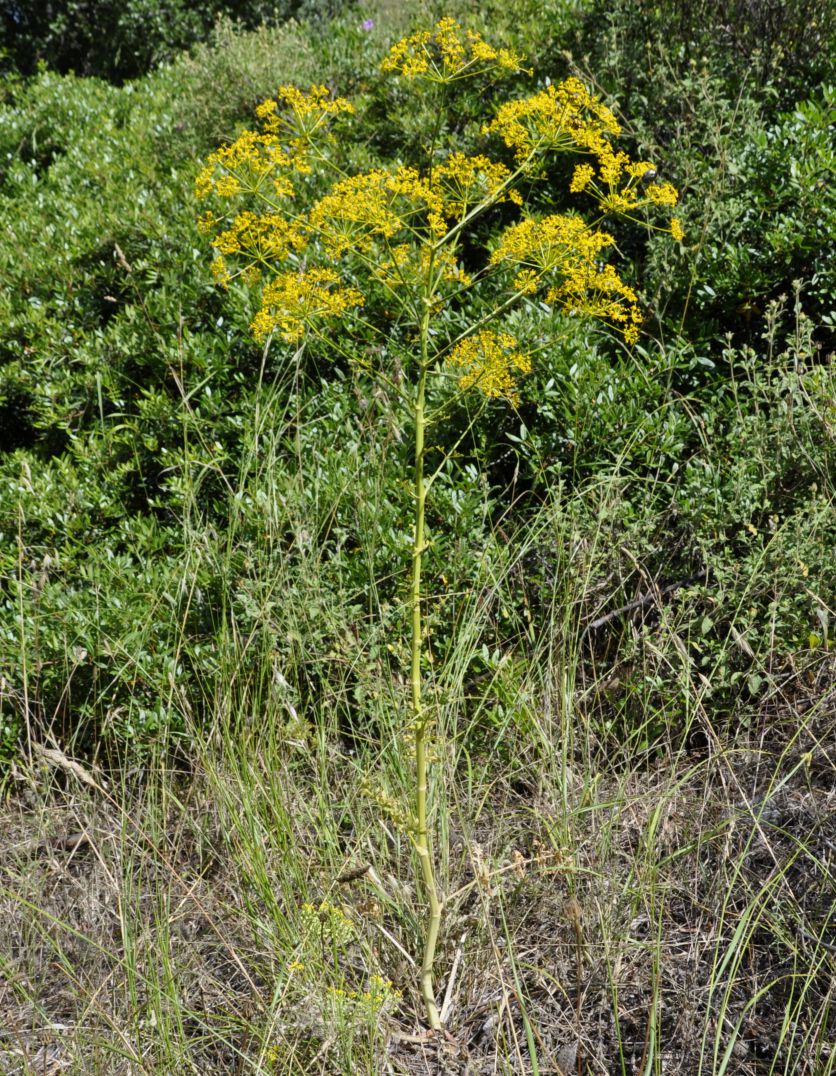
(367, 24)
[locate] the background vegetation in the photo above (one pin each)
(202, 558)
(120, 41)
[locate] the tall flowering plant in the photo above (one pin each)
(401, 230)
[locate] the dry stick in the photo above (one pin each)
(56, 757)
(645, 599)
(66, 842)
(448, 993)
(573, 911)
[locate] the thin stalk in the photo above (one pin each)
(422, 837)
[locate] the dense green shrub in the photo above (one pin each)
(735, 102)
(769, 47)
(122, 386)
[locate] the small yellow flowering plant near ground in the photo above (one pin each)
(399, 230)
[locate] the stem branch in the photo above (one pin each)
(422, 838)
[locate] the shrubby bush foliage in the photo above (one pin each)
(736, 102)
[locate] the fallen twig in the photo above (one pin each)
(645, 599)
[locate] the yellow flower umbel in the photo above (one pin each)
(265, 239)
(489, 360)
(406, 264)
(568, 118)
(448, 53)
(293, 302)
(562, 254)
(377, 206)
(292, 130)
(621, 186)
(261, 164)
(564, 117)
(463, 182)
(297, 120)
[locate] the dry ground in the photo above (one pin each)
(677, 917)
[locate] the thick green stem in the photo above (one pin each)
(422, 838)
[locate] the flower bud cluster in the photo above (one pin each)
(327, 922)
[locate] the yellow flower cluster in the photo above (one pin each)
(599, 293)
(557, 243)
(314, 105)
(220, 271)
(630, 185)
(380, 987)
(291, 302)
(380, 992)
(300, 119)
(563, 252)
(251, 152)
(447, 53)
(404, 223)
(568, 117)
(283, 144)
(564, 117)
(270, 237)
(463, 182)
(581, 178)
(376, 205)
(489, 360)
(624, 186)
